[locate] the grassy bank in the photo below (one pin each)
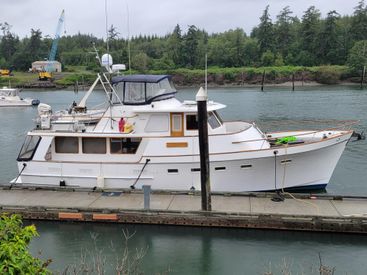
(273, 75)
(216, 76)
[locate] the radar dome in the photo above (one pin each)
(107, 60)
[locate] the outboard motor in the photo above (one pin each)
(44, 112)
(35, 102)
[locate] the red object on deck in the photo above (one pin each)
(121, 124)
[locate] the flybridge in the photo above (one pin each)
(143, 89)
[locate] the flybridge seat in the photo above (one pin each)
(142, 89)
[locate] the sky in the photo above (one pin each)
(151, 17)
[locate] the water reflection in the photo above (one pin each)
(191, 250)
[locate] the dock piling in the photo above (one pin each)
(201, 98)
(262, 81)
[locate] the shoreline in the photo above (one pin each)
(297, 84)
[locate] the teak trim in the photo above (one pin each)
(177, 144)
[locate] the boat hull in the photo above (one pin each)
(300, 167)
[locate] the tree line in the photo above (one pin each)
(307, 41)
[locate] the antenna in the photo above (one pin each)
(206, 72)
(128, 37)
(105, 11)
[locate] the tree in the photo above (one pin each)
(267, 58)
(310, 28)
(359, 21)
(190, 48)
(9, 42)
(174, 46)
(265, 32)
(358, 56)
(34, 48)
(14, 242)
(283, 29)
(140, 62)
(329, 40)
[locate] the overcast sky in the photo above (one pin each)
(151, 17)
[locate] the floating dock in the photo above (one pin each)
(252, 210)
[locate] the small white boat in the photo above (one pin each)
(10, 97)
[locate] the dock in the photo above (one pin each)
(322, 213)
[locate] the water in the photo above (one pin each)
(203, 251)
(216, 251)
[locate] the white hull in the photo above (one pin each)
(310, 167)
(15, 104)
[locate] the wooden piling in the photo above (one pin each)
(362, 77)
(262, 81)
(201, 99)
(76, 86)
(293, 82)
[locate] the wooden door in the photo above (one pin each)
(177, 129)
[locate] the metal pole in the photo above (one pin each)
(146, 190)
(201, 98)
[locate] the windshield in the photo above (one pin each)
(138, 93)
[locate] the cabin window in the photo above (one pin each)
(222, 168)
(157, 123)
(124, 145)
(134, 92)
(218, 117)
(213, 120)
(66, 145)
(246, 166)
(94, 145)
(191, 122)
(159, 89)
(29, 148)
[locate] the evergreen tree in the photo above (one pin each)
(284, 31)
(329, 39)
(9, 43)
(310, 29)
(359, 21)
(265, 32)
(174, 46)
(190, 48)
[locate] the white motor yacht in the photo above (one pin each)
(146, 136)
(10, 97)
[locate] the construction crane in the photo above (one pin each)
(46, 74)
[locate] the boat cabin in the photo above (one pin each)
(142, 89)
(9, 92)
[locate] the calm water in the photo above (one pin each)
(217, 251)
